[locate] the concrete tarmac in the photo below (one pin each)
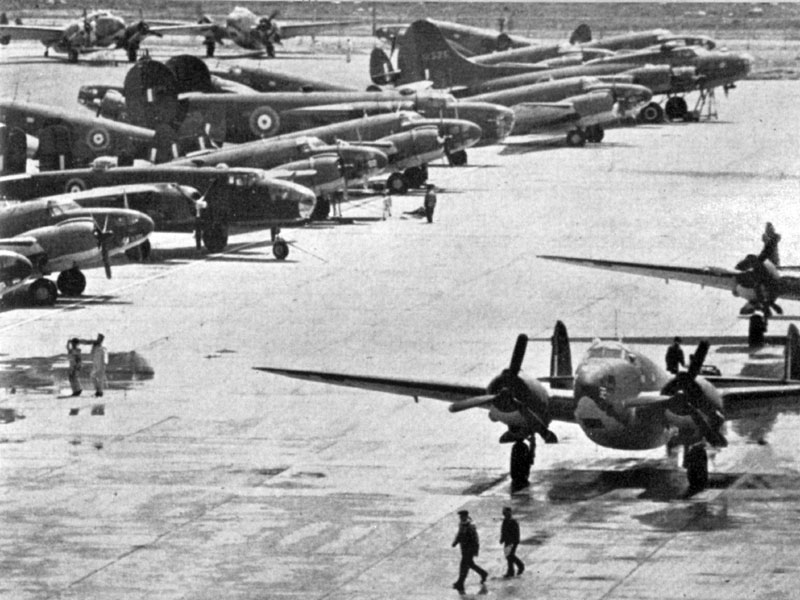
(206, 479)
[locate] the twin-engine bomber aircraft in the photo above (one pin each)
(618, 397)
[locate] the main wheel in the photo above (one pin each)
(520, 464)
(280, 249)
(416, 176)
(42, 292)
(457, 159)
(139, 253)
(595, 134)
(652, 113)
(576, 138)
(71, 282)
(696, 460)
(676, 108)
(215, 237)
(397, 184)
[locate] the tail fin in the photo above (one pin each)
(381, 70)
(151, 95)
(191, 73)
(425, 54)
(581, 35)
(791, 369)
(560, 357)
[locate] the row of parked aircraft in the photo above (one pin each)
(244, 145)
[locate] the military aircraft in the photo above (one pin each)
(26, 226)
(251, 32)
(759, 282)
(229, 195)
(425, 54)
(68, 140)
(92, 32)
(618, 397)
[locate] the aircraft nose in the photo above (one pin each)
(462, 135)
(14, 266)
(633, 93)
(305, 199)
(139, 224)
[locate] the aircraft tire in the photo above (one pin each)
(457, 159)
(595, 134)
(280, 249)
(697, 468)
(520, 467)
(676, 109)
(42, 292)
(71, 282)
(576, 138)
(215, 237)
(652, 113)
(397, 184)
(210, 47)
(416, 176)
(76, 184)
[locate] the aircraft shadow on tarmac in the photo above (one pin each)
(545, 145)
(658, 480)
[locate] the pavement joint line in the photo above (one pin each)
(150, 544)
(137, 282)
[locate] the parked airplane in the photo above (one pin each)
(247, 196)
(68, 140)
(91, 33)
(113, 231)
(252, 32)
(619, 398)
(425, 54)
(758, 282)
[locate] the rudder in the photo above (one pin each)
(560, 356)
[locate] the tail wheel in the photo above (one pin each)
(42, 292)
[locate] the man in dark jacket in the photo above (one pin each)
(467, 537)
(674, 357)
(509, 537)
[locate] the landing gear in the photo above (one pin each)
(457, 159)
(210, 47)
(397, 183)
(576, 138)
(652, 113)
(280, 249)
(595, 134)
(132, 53)
(676, 108)
(416, 176)
(756, 330)
(72, 55)
(707, 100)
(695, 460)
(520, 468)
(42, 292)
(215, 237)
(140, 253)
(71, 282)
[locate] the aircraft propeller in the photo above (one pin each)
(755, 274)
(511, 394)
(104, 237)
(689, 399)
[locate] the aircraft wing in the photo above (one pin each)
(716, 277)
(389, 385)
(296, 29)
(46, 35)
(186, 29)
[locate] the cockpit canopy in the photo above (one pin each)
(606, 350)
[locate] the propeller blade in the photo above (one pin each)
(519, 354)
(106, 260)
(698, 358)
(473, 402)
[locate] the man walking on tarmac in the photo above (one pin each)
(430, 202)
(467, 538)
(99, 361)
(509, 537)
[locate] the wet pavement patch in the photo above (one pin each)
(479, 487)
(696, 516)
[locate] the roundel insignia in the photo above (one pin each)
(76, 184)
(98, 139)
(264, 121)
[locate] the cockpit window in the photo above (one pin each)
(604, 352)
(62, 207)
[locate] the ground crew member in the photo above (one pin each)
(430, 202)
(387, 204)
(75, 362)
(467, 538)
(674, 357)
(509, 538)
(770, 250)
(99, 361)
